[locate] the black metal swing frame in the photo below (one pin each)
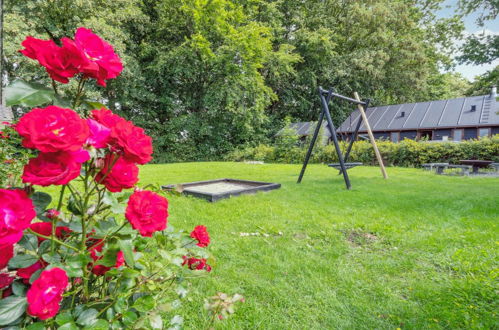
(326, 97)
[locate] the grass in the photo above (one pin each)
(415, 251)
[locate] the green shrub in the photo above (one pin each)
(13, 156)
(408, 153)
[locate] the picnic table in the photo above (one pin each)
(476, 163)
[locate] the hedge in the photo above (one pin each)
(407, 153)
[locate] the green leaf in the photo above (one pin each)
(44, 247)
(91, 105)
(61, 102)
(78, 260)
(129, 317)
(28, 94)
(75, 226)
(110, 314)
(41, 200)
(109, 256)
(105, 227)
(127, 247)
(19, 289)
(73, 206)
(75, 264)
(52, 258)
(64, 317)
(116, 206)
(87, 317)
(36, 326)
(35, 275)
(144, 304)
(11, 308)
(68, 326)
(100, 324)
(29, 242)
(22, 261)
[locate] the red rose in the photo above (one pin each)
(60, 63)
(196, 264)
(136, 145)
(201, 235)
(5, 280)
(97, 249)
(26, 272)
(46, 292)
(126, 137)
(6, 253)
(16, 212)
(99, 134)
(45, 228)
(147, 212)
(98, 60)
(52, 168)
(123, 174)
(7, 292)
(53, 129)
(106, 117)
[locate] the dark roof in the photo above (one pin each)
(306, 128)
(435, 114)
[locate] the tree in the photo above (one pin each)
(385, 50)
(482, 48)
(203, 63)
(484, 82)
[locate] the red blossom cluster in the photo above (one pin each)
(200, 234)
(196, 264)
(87, 54)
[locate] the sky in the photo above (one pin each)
(470, 71)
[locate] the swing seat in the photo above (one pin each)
(347, 165)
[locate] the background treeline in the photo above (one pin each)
(206, 76)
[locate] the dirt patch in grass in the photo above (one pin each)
(357, 237)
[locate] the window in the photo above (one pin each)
(457, 135)
(483, 132)
(394, 136)
(426, 135)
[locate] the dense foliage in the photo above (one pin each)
(408, 153)
(204, 77)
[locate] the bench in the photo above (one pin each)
(432, 166)
(465, 169)
(495, 166)
(440, 167)
(347, 165)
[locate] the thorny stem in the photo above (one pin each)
(81, 85)
(54, 220)
(55, 239)
(54, 86)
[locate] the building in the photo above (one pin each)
(305, 129)
(455, 119)
(5, 112)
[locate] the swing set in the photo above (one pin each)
(326, 97)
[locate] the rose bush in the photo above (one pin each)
(89, 261)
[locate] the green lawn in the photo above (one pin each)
(415, 251)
